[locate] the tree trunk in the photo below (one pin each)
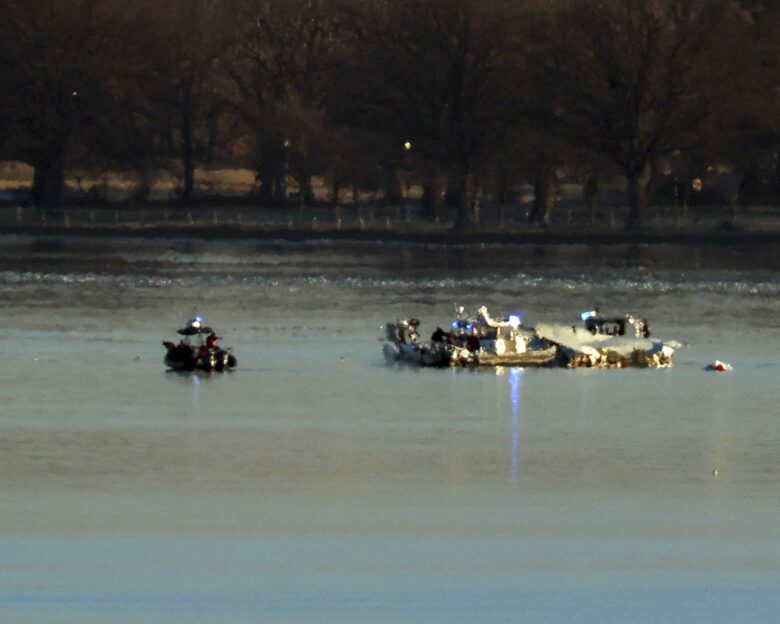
(272, 166)
(638, 178)
(637, 199)
(433, 195)
(465, 191)
(591, 195)
(306, 188)
(501, 187)
(335, 189)
(392, 185)
(144, 188)
(49, 180)
(280, 186)
(470, 198)
(188, 158)
(544, 198)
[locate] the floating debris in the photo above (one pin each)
(609, 342)
(719, 366)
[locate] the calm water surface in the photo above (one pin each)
(317, 484)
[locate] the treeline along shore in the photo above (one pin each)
(572, 117)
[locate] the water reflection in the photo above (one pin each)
(194, 379)
(515, 375)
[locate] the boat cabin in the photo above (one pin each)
(616, 325)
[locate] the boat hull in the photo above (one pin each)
(529, 358)
(216, 360)
(438, 355)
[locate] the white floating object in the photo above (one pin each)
(719, 366)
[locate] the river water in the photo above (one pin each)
(318, 484)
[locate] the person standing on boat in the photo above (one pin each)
(439, 335)
(472, 344)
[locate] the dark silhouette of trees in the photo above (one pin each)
(754, 142)
(635, 80)
(460, 96)
(442, 75)
(182, 82)
(59, 56)
(280, 65)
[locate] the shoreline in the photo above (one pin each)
(420, 235)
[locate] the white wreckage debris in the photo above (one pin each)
(609, 342)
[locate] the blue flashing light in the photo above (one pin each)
(198, 319)
(586, 315)
(469, 326)
(454, 324)
(515, 319)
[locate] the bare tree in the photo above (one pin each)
(634, 79)
(753, 144)
(442, 75)
(181, 79)
(280, 67)
(59, 56)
